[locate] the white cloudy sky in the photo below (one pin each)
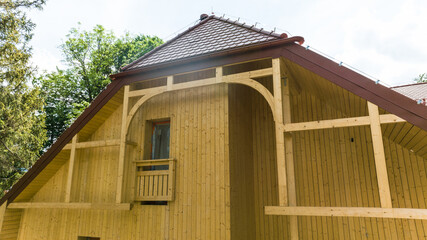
(385, 39)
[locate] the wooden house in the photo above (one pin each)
(231, 132)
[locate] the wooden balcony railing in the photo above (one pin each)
(155, 180)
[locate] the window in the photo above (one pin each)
(159, 138)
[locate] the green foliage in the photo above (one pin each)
(21, 109)
(131, 48)
(94, 56)
(91, 57)
(63, 102)
(421, 78)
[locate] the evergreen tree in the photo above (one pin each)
(22, 132)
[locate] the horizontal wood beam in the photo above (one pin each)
(390, 118)
(166, 160)
(250, 74)
(202, 82)
(101, 143)
(338, 123)
(193, 84)
(404, 213)
(142, 92)
(111, 206)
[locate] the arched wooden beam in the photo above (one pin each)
(139, 103)
(247, 82)
(259, 88)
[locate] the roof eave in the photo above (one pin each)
(230, 51)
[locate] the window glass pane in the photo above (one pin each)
(160, 140)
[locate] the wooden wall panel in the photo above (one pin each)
(224, 179)
(241, 164)
(11, 224)
(54, 189)
(199, 143)
(265, 168)
(335, 167)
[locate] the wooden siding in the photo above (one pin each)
(336, 167)
(241, 164)
(253, 165)
(223, 141)
(11, 224)
(199, 143)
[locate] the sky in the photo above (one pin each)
(387, 40)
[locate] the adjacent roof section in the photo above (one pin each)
(211, 34)
(417, 91)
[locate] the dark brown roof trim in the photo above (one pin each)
(358, 84)
(259, 46)
(252, 28)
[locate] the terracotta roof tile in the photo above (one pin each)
(210, 35)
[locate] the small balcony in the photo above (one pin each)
(155, 180)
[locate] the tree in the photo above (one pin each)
(94, 56)
(62, 102)
(91, 57)
(421, 78)
(21, 109)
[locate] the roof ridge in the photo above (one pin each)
(202, 21)
(407, 85)
(253, 28)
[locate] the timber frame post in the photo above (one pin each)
(284, 148)
(379, 155)
(280, 141)
(71, 169)
(123, 133)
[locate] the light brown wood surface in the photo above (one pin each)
(223, 139)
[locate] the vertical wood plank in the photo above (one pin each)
(280, 141)
(380, 163)
(218, 74)
(123, 132)
(71, 169)
(169, 83)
